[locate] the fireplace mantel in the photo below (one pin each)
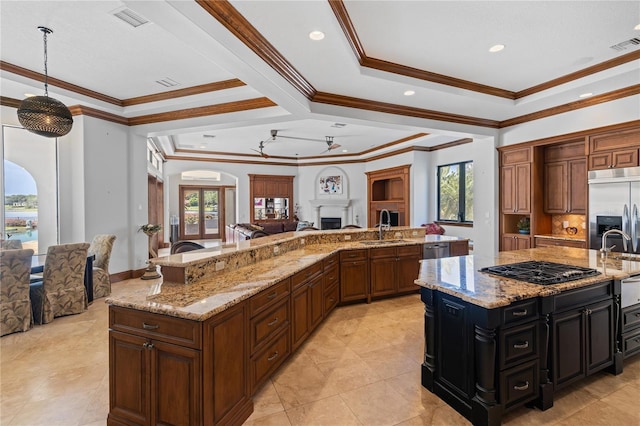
(342, 203)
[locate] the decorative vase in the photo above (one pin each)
(151, 273)
(523, 231)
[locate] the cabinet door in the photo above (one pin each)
(383, 276)
(600, 337)
(522, 242)
(555, 180)
(129, 379)
(299, 316)
(316, 302)
(523, 188)
(354, 280)
(508, 243)
(507, 188)
(625, 158)
(600, 161)
(458, 248)
(577, 186)
(568, 347)
(175, 384)
(408, 268)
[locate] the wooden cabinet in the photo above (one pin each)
(161, 368)
(565, 178)
(275, 192)
(630, 332)
(582, 333)
(389, 189)
(307, 303)
(393, 269)
(354, 275)
(554, 242)
(615, 149)
(458, 248)
(331, 276)
(515, 184)
(515, 242)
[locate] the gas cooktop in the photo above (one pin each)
(543, 273)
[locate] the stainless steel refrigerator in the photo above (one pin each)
(614, 203)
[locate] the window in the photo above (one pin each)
(455, 192)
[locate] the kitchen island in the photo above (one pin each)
(493, 344)
(193, 347)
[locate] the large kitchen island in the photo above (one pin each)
(496, 343)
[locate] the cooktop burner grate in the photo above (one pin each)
(543, 273)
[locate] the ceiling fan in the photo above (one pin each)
(328, 140)
(260, 150)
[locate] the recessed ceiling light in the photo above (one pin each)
(316, 35)
(496, 48)
(637, 27)
(586, 95)
(409, 92)
(203, 146)
(29, 95)
(345, 150)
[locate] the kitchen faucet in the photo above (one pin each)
(386, 226)
(604, 250)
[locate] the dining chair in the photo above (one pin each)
(101, 246)
(182, 246)
(308, 228)
(10, 245)
(15, 305)
(351, 227)
(61, 291)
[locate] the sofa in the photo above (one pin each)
(246, 231)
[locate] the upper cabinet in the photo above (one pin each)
(515, 181)
(614, 149)
(565, 178)
(271, 197)
(389, 189)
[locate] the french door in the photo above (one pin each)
(200, 213)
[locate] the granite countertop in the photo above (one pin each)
(568, 237)
(211, 295)
(460, 276)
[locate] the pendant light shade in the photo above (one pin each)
(43, 115)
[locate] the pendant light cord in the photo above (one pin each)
(45, 31)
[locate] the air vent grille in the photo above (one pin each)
(626, 44)
(167, 82)
(130, 17)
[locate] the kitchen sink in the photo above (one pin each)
(381, 242)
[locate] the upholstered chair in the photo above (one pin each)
(15, 305)
(183, 246)
(10, 245)
(61, 291)
(101, 247)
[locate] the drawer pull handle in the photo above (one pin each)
(520, 313)
(522, 387)
(272, 295)
(332, 300)
(275, 355)
(524, 345)
(352, 255)
(150, 326)
(273, 322)
(638, 314)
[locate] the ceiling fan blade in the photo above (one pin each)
(299, 138)
(334, 146)
(262, 154)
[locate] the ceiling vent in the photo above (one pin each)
(167, 82)
(129, 16)
(627, 44)
(338, 125)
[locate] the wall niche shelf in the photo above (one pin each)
(270, 198)
(389, 189)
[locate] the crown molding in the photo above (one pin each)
(96, 113)
(10, 102)
(188, 91)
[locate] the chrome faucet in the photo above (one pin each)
(385, 226)
(604, 250)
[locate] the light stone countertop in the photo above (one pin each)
(208, 296)
(460, 276)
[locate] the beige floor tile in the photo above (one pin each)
(409, 386)
(379, 404)
(600, 413)
(302, 385)
(326, 347)
(626, 399)
(389, 362)
(277, 419)
(266, 402)
(330, 411)
(347, 374)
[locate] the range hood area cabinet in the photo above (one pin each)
(521, 172)
(388, 189)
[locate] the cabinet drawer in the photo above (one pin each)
(519, 384)
(518, 344)
(410, 250)
(379, 252)
(331, 276)
(352, 255)
(330, 261)
(520, 312)
(264, 363)
(268, 297)
(266, 325)
(331, 297)
(550, 242)
(179, 331)
(583, 296)
(305, 275)
(630, 317)
(631, 343)
(517, 155)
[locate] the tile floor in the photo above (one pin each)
(361, 367)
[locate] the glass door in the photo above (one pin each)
(200, 214)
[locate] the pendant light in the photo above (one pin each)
(43, 115)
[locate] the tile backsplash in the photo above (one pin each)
(577, 221)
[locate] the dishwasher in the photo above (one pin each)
(435, 250)
(630, 292)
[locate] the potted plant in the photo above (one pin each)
(524, 225)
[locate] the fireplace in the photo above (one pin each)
(330, 223)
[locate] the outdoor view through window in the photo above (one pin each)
(455, 192)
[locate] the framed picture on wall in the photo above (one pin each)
(330, 185)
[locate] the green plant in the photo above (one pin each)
(524, 224)
(150, 228)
